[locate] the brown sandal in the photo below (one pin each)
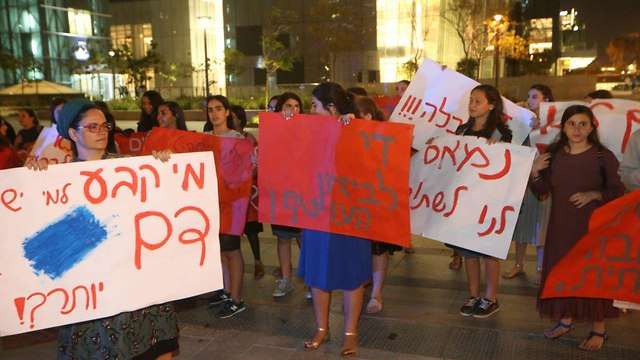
(314, 344)
(514, 272)
(351, 349)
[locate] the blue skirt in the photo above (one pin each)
(331, 261)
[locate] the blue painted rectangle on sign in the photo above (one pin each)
(59, 246)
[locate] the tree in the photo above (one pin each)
(275, 54)
(624, 50)
(466, 17)
(338, 26)
(173, 71)
(234, 63)
(410, 67)
(8, 61)
(468, 67)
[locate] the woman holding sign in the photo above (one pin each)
(485, 121)
(331, 261)
(581, 175)
(534, 213)
(366, 109)
(149, 333)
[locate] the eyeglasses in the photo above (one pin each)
(96, 128)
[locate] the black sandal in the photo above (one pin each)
(592, 334)
(559, 325)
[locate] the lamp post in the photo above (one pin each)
(496, 49)
(112, 55)
(204, 23)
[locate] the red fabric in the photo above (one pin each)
(318, 174)
(130, 145)
(605, 263)
(233, 168)
(8, 158)
(387, 104)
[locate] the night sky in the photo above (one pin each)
(606, 19)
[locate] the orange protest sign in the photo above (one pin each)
(605, 263)
(233, 167)
(130, 144)
(316, 173)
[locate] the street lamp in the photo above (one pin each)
(112, 55)
(204, 22)
(497, 18)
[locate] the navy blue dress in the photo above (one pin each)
(331, 261)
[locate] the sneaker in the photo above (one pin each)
(469, 307)
(231, 308)
(283, 287)
(486, 308)
(219, 297)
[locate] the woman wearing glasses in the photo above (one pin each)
(149, 333)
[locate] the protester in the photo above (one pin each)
(221, 120)
(534, 212)
(367, 109)
(170, 115)
(581, 174)
(485, 120)
(271, 105)
(8, 157)
(357, 91)
(330, 261)
(598, 94)
(289, 104)
(149, 333)
(252, 227)
(7, 130)
(149, 110)
(54, 109)
(630, 166)
(112, 146)
(401, 87)
(30, 129)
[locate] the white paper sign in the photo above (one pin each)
(52, 147)
(467, 193)
(617, 120)
(437, 102)
(86, 240)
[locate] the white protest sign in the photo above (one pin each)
(437, 102)
(52, 147)
(86, 240)
(467, 193)
(617, 119)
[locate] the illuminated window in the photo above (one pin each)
(121, 35)
(80, 22)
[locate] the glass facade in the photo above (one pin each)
(45, 35)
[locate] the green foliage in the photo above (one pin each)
(234, 62)
(127, 103)
(468, 67)
(173, 71)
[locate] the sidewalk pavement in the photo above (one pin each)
(420, 320)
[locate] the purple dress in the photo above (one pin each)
(595, 169)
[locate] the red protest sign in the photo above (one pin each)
(130, 144)
(233, 167)
(386, 103)
(605, 263)
(318, 174)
